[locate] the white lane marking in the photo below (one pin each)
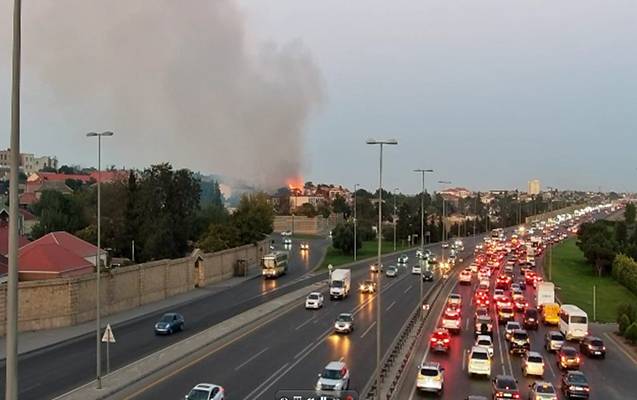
(305, 323)
(368, 329)
(297, 355)
(273, 376)
(619, 347)
(550, 367)
(390, 306)
(466, 328)
(246, 362)
(497, 332)
(464, 359)
(408, 289)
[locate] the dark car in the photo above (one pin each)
(530, 320)
(519, 342)
(568, 358)
(574, 385)
(169, 323)
(592, 346)
(505, 387)
(522, 284)
(427, 275)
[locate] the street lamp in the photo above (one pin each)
(444, 221)
(394, 216)
(98, 259)
(550, 244)
(381, 143)
(422, 222)
(356, 185)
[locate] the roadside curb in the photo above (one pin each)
(619, 341)
(121, 379)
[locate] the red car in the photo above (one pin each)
(529, 277)
(481, 298)
(440, 340)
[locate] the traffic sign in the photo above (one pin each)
(108, 336)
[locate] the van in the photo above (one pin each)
(551, 314)
(573, 322)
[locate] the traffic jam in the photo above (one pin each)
(503, 335)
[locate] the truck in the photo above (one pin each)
(545, 294)
(340, 283)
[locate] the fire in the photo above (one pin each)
(295, 183)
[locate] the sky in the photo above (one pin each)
(489, 94)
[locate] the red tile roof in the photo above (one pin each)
(54, 176)
(110, 176)
(70, 242)
(28, 198)
(4, 240)
(50, 258)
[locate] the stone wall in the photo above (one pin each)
(301, 224)
(56, 303)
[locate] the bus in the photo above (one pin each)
(274, 264)
(573, 322)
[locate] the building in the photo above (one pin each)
(26, 220)
(534, 187)
(458, 192)
(29, 163)
(4, 239)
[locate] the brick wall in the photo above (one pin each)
(56, 303)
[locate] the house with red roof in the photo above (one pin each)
(4, 239)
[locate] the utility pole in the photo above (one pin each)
(380, 236)
(394, 216)
(11, 365)
(422, 225)
(444, 221)
(356, 185)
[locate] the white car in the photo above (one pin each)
(484, 275)
(465, 277)
(305, 246)
(510, 327)
(452, 321)
(335, 377)
(484, 284)
(486, 342)
(314, 300)
(445, 245)
(287, 242)
(533, 364)
(431, 377)
(479, 362)
(344, 323)
(474, 268)
(206, 391)
(454, 299)
(403, 259)
(286, 233)
(416, 269)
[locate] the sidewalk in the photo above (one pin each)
(34, 340)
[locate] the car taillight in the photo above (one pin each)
(563, 358)
(446, 340)
(433, 339)
(587, 389)
(516, 395)
(577, 359)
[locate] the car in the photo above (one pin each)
(515, 288)
(465, 277)
(533, 364)
(536, 281)
(484, 284)
(375, 267)
(416, 269)
(503, 282)
(510, 327)
(287, 242)
(505, 387)
(529, 277)
(498, 294)
(480, 312)
(505, 314)
(403, 259)
(483, 275)
(440, 340)
(286, 233)
(504, 301)
(427, 276)
(592, 346)
(479, 362)
(483, 326)
(519, 343)
(314, 300)
(522, 284)
(368, 286)
(568, 358)
(206, 391)
(305, 246)
(473, 267)
(344, 323)
(451, 320)
(519, 302)
(169, 323)
(481, 298)
(474, 397)
(553, 341)
(335, 377)
(574, 385)
(431, 377)
(391, 271)
(444, 245)
(530, 319)
(454, 299)
(486, 342)
(540, 390)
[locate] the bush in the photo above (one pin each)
(631, 332)
(625, 272)
(624, 322)
(627, 309)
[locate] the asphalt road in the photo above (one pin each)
(290, 351)
(610, 378)
(57, 369)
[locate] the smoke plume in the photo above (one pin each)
(178, 81)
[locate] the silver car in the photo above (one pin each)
(344, 323)
(431, 377)
(553, 341)
(391, 271)
(335, 377)
(541, 390)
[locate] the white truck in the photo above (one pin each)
(340, 283)
(545, 294)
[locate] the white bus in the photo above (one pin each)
(573, 322)
(274, 264)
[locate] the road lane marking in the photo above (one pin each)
(612, 339)
(408, 289)
(303, 351)
(246, 362)
(273, 376)
(466, 328)
(550, 367)
(368, 329)
(305, 323)
(464, 359)
(391, 306)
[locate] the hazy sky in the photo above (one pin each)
(489, 93)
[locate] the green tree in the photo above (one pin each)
(631, 332)
(623, 322)
(254, 217)
(343, 238)
(323, 210)
(307, 210)
(340, 206)
(219, 237)
(58, 212)
(629, 214)
(621, 233)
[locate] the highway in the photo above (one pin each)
(608, 377)
(54, 370)
(290, 351)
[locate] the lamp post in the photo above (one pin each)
(98, 259)
(550, 244)
(11, 365)
(381, 143)
(422, 223)
(356, 185)
(394, 216)
(444, 221)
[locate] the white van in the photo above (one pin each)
(573, 322)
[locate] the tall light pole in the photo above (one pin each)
(551, 189)
(475, 213)
(381, 143)
(98, 258)
(422, 222)
(11, 365)
(356, 185)
(444, 221)
(394, 216)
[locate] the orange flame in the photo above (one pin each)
(295, 183)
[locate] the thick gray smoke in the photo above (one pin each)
(177, 80)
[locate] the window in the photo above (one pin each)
(479, 355)
(578, 320)
(429, 372)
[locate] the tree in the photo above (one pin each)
(623, 322)
(343, 238)
(340, 206)
(254, 217)
(621, 233)
(58, 212)
(307, 210)
(631, 332)
(323, 210)
(629, 214)
(219, 237)
(69, 170)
